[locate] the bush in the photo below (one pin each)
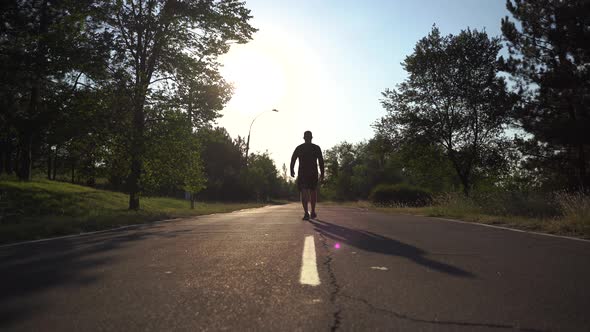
(400, 195)
(517, 203)
(575, 210)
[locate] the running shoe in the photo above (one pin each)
(306, 216)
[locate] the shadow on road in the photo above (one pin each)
(66, 264)
(372, 242)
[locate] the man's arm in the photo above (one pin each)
(293, 158)
(321, 162)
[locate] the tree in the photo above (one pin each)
(46, 48)
(222, 160)
(452, 98)
(549, 57)
(169, 50)
(172, 159)
(194, 178)
(340, 161)
(261, 178)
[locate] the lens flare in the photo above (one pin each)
(337, 246)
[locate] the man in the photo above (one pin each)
(307, 177)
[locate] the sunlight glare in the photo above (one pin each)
(258, 79)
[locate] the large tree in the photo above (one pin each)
(169, 50)
(47, 47)
(550, 62)
(452, 98)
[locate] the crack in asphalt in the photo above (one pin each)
(335, 288)
(335, 294)
(439, 322)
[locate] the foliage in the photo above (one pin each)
(399, 195)
(222, 162)
(453, 99)
(353, 170)
(113, 89)
(340, 162)
(172, 157)
(261, 179)
(548, 60)
(47, 48)
(230, 179)
(167, 53)
(194, 179)
(426, 166)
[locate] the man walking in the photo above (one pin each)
(309, 155)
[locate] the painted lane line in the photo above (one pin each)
(87, 233)
(382, 268)
(309, 268)
(512, 229)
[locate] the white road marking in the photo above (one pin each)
(87, 233)
(309, 268)
(513, 229)
(382, 268)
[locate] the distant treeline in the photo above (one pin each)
(469, 119)
(124, 94)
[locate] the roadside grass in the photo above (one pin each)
(43, 208)
(561, 213)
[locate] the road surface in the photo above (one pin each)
(267, 270)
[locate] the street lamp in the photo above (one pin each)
(250, 130)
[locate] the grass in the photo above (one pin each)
(559, 213)
(43, 208)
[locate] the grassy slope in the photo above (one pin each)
(571, 224)
(40, 209)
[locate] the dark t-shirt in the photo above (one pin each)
(308, 155)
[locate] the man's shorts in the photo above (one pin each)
(307, 181)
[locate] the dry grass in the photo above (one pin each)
(560, 213)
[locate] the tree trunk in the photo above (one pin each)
(73, 170)
(466, 186)
(137, 145)
(584, 178)
(54, 164)
(15, 165)
(463, 175)
(26, 147)
(3, 154)
(134, 183)
(31, 127)
(7, 165)
(192, 201)
(49, 163)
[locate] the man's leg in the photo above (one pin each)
(304, 199)
(314, 198)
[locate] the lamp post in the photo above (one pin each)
(250, 130)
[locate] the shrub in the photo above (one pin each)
(454, 204)
(399, 194)
(575, 209)
(516, 203)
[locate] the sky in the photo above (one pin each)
(323, 65)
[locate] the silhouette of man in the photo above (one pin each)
(309, 155)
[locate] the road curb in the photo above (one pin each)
(118, 228)
(512, 229)
(88, 233)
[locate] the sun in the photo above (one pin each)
(258, 78)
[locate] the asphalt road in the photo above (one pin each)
(244, 271)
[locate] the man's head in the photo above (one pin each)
(307, 136)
